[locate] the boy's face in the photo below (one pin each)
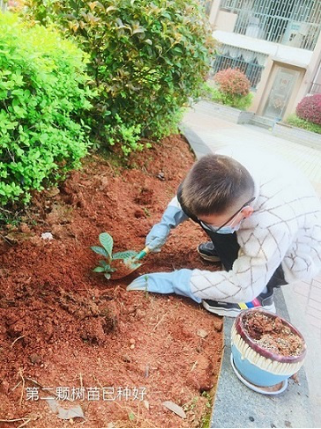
(217, 221)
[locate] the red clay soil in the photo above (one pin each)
(67, 332)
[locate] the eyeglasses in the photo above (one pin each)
(217, 228)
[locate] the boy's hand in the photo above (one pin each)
(157, 237)
(175, 282)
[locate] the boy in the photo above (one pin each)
(264, 221)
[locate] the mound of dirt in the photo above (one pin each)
(68, 333)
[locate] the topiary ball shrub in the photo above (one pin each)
(232, 82)
(233, 88)
(310, 109)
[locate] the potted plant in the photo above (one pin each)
(266, 350)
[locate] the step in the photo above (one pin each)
(261, 121)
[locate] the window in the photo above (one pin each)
(289, 22)
(249, 62)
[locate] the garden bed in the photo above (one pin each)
(118, 355)
(297, 135)
(227, 113)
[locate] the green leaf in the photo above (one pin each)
(124, 40)
(110, 8)
(124, 255)
(106, 267)
(107, 275)
(99, 270)
(100, 251)
(107, 242)
(131, 416)
(138, 30)
(44, 87)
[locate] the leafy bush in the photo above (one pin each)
(146, 58)
(310, 109)
(302, 123)
(42, 91)
(214, 94)
(232, 82)
(232, 88)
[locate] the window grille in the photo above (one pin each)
(289, 22)
(249, 62)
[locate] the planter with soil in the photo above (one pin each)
(226, 112)
(266, 350)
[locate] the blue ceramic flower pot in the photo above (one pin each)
(259, 365)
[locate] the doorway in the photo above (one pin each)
(280, 93)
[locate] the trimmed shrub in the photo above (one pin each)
(230, 87)
(146, 59)
(42, 92)
(309, 109)
(232, 82)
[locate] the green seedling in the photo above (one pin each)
(106, 250)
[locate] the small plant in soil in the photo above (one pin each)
(106, 250)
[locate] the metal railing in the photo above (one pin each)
(249, 62)
(294, 23)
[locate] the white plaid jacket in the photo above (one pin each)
(284, 228)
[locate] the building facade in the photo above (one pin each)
(276, 43)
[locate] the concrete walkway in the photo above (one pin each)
(236, 405)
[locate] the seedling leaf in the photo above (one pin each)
(107, 275)
(124, 255)
(99, 270)
(100, 251)
(107, 242)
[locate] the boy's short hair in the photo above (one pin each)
(214, 184)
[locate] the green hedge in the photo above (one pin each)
(42, 95)
(146, 59)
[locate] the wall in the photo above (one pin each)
(286, 54)
(225, 21)
(215, 9)
(312, 74)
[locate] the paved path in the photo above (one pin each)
(302, 302)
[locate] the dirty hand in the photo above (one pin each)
(157, 236)
(175, 282)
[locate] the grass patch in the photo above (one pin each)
(302, 123)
